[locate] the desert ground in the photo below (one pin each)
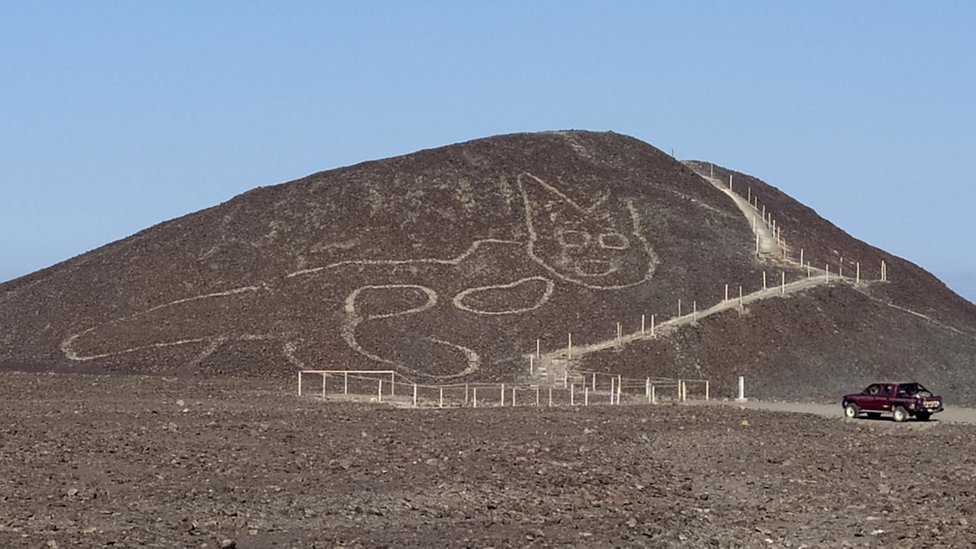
(137, 461)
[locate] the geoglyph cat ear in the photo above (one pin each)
(543, 196)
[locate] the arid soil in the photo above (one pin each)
(127, 461)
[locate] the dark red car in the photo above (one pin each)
(901, 400)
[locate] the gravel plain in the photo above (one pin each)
(148, 461)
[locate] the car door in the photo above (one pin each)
(885, 398)
(869, 400)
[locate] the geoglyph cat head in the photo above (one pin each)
(599, 246)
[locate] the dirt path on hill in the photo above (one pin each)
(768, 243)
(551, 366)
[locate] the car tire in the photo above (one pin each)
(851, 411)
(923, 416)
(899, 414)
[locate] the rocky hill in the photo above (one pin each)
(454, 263)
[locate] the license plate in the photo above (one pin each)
(932, 404)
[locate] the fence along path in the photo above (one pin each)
(769, 244)
(559, 366)
(389, 387)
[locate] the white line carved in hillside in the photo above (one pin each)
(924, 317)
(598, 246)
(459, 299)
(599, 255)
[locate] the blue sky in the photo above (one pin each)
(115, 116)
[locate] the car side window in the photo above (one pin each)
(872, 390)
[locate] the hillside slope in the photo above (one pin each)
(451, 263)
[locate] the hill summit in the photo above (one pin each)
(456, 263)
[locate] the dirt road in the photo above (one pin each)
(952, 414)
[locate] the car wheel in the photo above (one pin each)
(851, 411)
(899, 414)
(923, 416)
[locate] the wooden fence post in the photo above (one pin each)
(783, 284)
(299, 383)
(613, 382)
(857, 275)
(679, 307)
(550, 397)
(653, 395)
(801, 257)
(513, 397)
(740, 297)
(572, 394)
(594, 381)
(536, 396)
(325, 376)
(379, 391)
(345, 383)
(503, 395)
(706, 390)
(726, 292)
(586, 396)
(465, 394)
(474, 397)
(652, 325)
(764, 280)
(440, 397)
(414, 395)
(531, 365)
(642, 324)
(569, 347)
